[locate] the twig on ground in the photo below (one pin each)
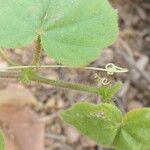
(57, 137)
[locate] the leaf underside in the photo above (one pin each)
(105, 124)
(73, 32)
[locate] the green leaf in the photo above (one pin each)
(73, 32)
(99, 122)
(107, 93)
(1, 141)
(135, 131)
(104, 124)
(19, 21)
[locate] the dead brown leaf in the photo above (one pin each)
(17, 95)
(22, 127)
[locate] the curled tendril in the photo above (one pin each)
(103, 81)
(111, 69)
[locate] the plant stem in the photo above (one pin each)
(56, 83)
(37, 54)
(67, 85)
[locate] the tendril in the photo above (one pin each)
(109, 68)
(103, 81)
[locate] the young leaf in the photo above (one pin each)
(135, 131)
(107, 93)
(1, 141)
(99, 122)
(73, 32)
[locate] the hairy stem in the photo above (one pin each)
(37, 54)
(56, 83)
(67, 85)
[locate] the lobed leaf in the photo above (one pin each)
(99, 122)
(73, 32)
(105, 124)
(19, 21)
